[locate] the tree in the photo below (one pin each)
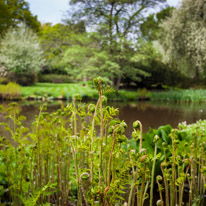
(20, 53)
(150, 28)
(55, 40)
(5, 21)
(117, 21)
(183, 37)
(147, 57)
(14, 12)
(86, 60)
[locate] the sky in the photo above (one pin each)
(53, 10)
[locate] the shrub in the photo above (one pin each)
(4, 80)
(25, 79)
(54, 78)
(143, 94)
(20, 53)
(10, 91)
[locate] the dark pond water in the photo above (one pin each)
(151, 114)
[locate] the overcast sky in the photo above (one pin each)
(53, 10)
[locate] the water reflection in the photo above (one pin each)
(151, 114)
(156, 114)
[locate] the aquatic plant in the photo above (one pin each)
(180, 95)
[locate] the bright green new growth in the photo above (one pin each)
(79, 154)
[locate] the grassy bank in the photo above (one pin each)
(67, 90)
(59, 91)
(186, 95)
(180, 95)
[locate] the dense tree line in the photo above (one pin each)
(111, 38)
(14, 12)
(184, 38)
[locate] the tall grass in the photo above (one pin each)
(187, 95)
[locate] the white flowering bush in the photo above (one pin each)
(184, 37)
(20, 52)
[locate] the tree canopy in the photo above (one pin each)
(183, 37)
(117, 22)
(14, 12)
(116, 39)
(20, 51)
(150, 28)
(117, 18)
(56, 39)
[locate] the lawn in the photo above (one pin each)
(53, 90)
(67, 90)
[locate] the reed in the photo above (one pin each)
(184, 95)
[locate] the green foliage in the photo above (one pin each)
(180, 95)
(163, 133)
(24, 79)
(108, 51)
(4, 80)
(15, 12)
(87, 91)
(10, 91)
(150, 28)
(33, 199)
(114, 23)
(151, 70)
(53, 90)
(75, 58)
(54, 41)
(111, 15)
(20, 52)
(143, 94)
(182, 39)
(58, 163)
(54, 78)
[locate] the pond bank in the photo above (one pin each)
(67, 91)
(54, 91)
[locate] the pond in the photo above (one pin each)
(151, 114)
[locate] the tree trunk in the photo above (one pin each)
(113, 82)
(118, 82)
(111, 26)
(197, 72)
